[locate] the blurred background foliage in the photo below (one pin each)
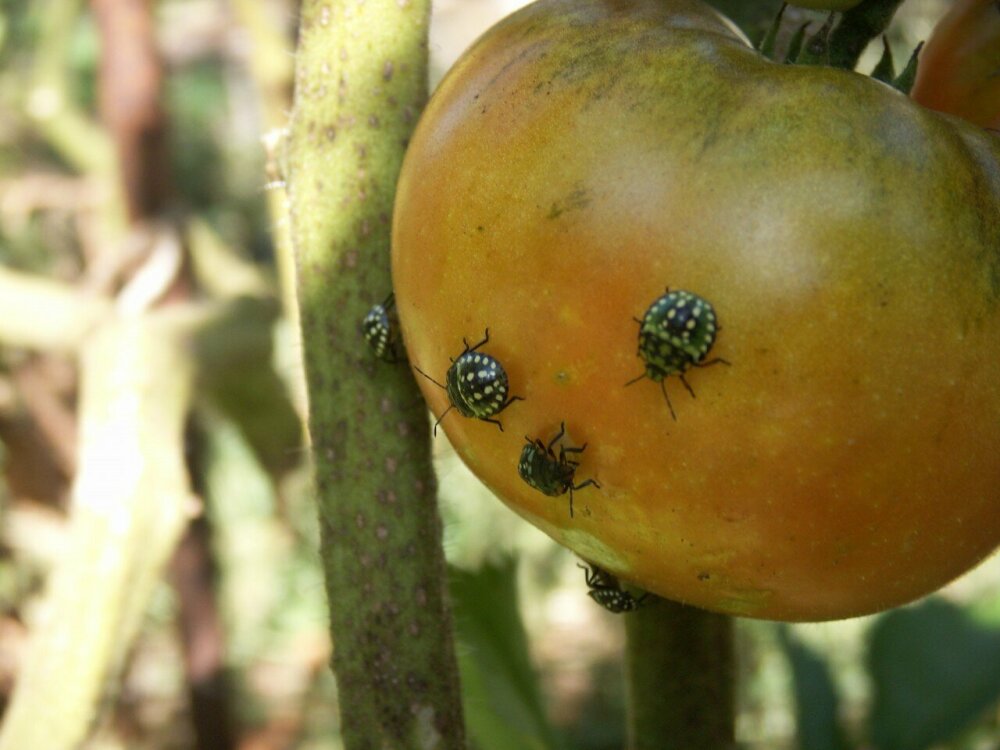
(540, 662)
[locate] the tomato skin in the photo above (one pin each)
(586, 154)
(958, 70)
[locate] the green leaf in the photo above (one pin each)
(857, 27)
(766, 45)
(500, 692)
(795, 43)
(935, 672)
(816, 50)
(905, 80)
(816, 698)
(885, 71)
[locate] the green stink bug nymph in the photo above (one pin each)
(476, 384)
(548, 473)
(381, 330)
(676, 333)
(607, 591)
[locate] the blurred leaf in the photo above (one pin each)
(816, 698)
(935, 671)
(240, 380)
(503, 703)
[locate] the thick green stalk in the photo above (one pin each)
(857, 28)
(360, 82)
(679, 678)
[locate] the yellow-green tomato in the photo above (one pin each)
(584, 157)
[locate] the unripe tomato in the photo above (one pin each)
(586, 155)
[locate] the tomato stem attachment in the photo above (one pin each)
(679, 677)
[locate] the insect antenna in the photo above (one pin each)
(635, 380)
(435, 431)
(429, 377)
(663, 387)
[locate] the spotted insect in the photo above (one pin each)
(476, 384)
(676, 333)
(381, 330)
(607, 591)
(549, 473)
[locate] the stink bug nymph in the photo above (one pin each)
(381, 330)
(606, 591)
(676, 333)
(549, 473)
(476, 384)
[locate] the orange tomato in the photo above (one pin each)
(959, 70)
(584, 156)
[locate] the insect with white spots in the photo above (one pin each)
(476, 384)
(549, 473)
(381, 330)
(676, 333)
(607, 591)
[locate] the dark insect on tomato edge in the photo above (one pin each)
(548, 473)
(607, 591)
(476, 384)
(676, 333)
(381, 330)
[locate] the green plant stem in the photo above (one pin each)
(360, 82)
(679, 678)
(75, 136)
(857, 27)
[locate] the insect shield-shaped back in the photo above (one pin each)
(676, 333)
(548, 472)
(607, 591)
(381, 330)
(476, 384)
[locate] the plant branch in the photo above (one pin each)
(129, 506)
(679, 678)
(360, 82)
(39, 314)
(129, 93)
(72, 133)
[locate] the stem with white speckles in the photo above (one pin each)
(360, 81)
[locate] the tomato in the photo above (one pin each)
(585, 155)
(959, 65)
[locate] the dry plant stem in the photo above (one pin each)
(270, 58)
(129, 88)
(129, 505)
(679, 678)
(360, 82)
(40, 314)
(76, 137)
(271, 68)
